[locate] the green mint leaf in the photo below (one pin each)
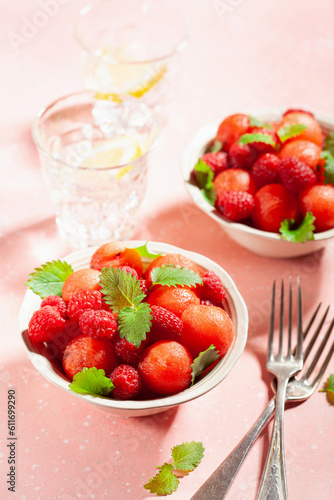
(134, 324)
(257, 137)
(330, 386)
(49, 278)
(92, 381)
(163, 483)
(172, 275)
(329, 143)
(187, 456)
(203, 361)
(304, 232)
(210, 194)
(254, 122)
(144, 252)
(328, 167)
(204, 179)
(120, 289)
(215, 147)
(203, 174)
(289, 131)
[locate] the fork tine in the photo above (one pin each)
(320, 350)
(316, 333)
(281, 322)
(271, 324)
(299, 323)
(290, 317)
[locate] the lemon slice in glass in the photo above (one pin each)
(124, 76)
(113, 152)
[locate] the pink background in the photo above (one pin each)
(250, 55)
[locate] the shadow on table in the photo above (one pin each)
(78, 449)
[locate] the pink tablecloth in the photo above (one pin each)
(241, 54)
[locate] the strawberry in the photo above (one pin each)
(231, 128)
(265, 170)
(127, 382)
(165, 325)
(85, 351)
(216, 161)
(295, 174)
(273, 204)
(319, 199)
(241, 156)
(235, 205)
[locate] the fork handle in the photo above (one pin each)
(273, 484)
(220, 481)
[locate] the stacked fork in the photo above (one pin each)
(218, 484)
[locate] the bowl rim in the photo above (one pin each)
(235, 303)
(197, 144)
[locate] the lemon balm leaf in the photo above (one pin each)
(329, 143)
(203, 361)
(304, 232)
(49, 278)
(144, 252)
(329, 389)
(257, 137)
(290, 131)
(134, 324)
(215, 147)
(187, 456)
(120, 289)
(328, 167)
(163, 483)
(204, 180)
(172, 275)
(254, 122)
(92, 381)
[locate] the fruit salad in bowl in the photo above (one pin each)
(134, 328)
(267, 177)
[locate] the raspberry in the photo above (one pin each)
(295, 174)
(212, 289)
(165, 325)
(298, 111)
(128, 353)
(265, 170)
(45, 324)
(98, 323)
(83, 300)
(57, 302)
(127, 382)
(216, 161)
(129, 270)
(241, 156)
(85, 351)
(206, 302)
(145, 285)
(235, 205)
(263, 147)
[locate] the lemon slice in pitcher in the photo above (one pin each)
(114, 152)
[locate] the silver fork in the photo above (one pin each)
(273, 485)
(218, 484)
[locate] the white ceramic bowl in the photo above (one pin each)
(234, 304)
(257, 241)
